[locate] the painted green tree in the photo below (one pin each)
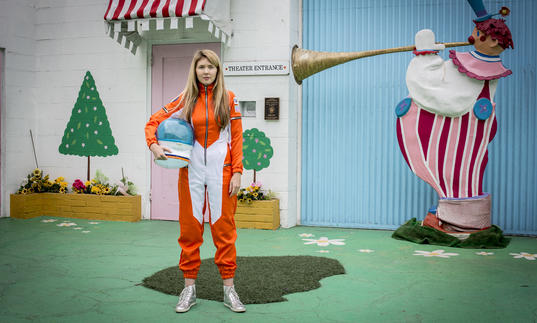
(256, 150)
(88, 132)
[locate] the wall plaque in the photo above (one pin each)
(272, 108)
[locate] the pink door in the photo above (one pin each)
(168, 78)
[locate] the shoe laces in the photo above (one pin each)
(234, 297)
(185, 294)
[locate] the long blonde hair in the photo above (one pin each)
(191, 91)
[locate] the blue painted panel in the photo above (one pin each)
(353, 174)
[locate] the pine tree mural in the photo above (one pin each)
(88, 132)
(256, 150)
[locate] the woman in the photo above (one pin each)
(213, 176)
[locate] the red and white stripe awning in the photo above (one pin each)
(126, 19)
(139, 9)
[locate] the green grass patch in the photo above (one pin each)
(258, 280)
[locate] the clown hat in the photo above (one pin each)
(481, 12)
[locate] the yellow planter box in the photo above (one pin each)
(78, 206)
(258, 215)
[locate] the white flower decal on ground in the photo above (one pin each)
(484, 253)
(305, 235)
(323, 251)
(66, 224)
(529, 256)
(49, 220)
(366, 250)
(78, 228)
(86, 231)
(437, 253)
(324, 241)
(94, 222)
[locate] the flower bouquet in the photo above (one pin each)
(37, 183)
(99, 185)
(125, 186)
(254, 193)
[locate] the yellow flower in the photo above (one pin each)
(87, 183)
(255, 195)
(37, 173)
(64, 184)
(59, 179)
(249, 200)
(63, 190)
(50, 183)
(95, 190)
(24, 191)
(107, 190)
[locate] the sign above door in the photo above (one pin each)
(256, 68)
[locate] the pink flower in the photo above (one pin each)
(78, 185)
(256, 184)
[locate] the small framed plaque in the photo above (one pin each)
(272, 108)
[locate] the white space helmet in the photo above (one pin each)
(177, 135)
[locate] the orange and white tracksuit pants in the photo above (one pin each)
(202, 186)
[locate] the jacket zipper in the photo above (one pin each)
(206, 124)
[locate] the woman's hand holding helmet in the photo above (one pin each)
(158, 151)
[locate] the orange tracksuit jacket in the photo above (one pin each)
(216, 155)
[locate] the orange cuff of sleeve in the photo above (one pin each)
(236, 170)
(151, 141)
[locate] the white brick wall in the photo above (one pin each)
(266, 31)
(71, 40)
(19, 95)
(50, 46)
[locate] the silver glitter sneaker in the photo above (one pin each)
(231, 300)
(187, 299)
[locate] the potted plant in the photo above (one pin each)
(256, 208)
(95, 199)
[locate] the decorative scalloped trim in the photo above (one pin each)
(463, 69)
(424, 52)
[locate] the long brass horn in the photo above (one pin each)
(308, 62)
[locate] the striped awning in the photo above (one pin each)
(126, 20)
(136, 9)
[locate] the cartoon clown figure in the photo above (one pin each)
(445, 125)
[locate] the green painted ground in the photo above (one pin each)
(50, 273)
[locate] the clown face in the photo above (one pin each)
(484, 44)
